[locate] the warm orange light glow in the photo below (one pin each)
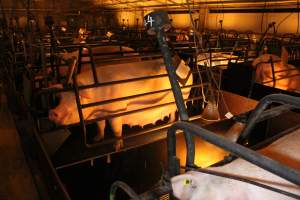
(252, 21)
(129, 19)
(206, 153)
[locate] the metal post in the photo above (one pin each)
(157, 23)
(92, 63)
(273, 71)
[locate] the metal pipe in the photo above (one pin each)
(256, 114)
(253, 157)
(274, 112)
(204, 3)
(126, 113)
(255, 10)
(273, 71)
(59, 187)
(134, 96)
(138, 110)
(93, 66)
(79, 110)
(159, 22)
(128, 190)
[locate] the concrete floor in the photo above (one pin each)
(16, 181)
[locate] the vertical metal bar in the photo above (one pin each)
(173, 161)
(176, 91)
(253, 81)
(25, 52)
(43, 63)
(55, 70)
(172, 76)
(79, 60)
(79, 109)
(93, 66)
(273, 72)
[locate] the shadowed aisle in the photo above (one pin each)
(16, 180)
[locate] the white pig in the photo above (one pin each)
(200, 186)
(110, 58)
(66, 112)
(287, 77)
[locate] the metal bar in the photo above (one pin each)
(79, 59)
(262, 105)
(111, 141)
(172, 75)
(134, 96)
(198, 5)
(58, 90)
(255, 10)
(43, 63)
(285, 77)
(124, 113)
(273, 73)
(205, 3)
(253, 157)
(92, 64)
(274, 112)
(138, 110)
(175, 86)
(121, 81)
(78, 103)
(62, 189)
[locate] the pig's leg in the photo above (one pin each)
(100, 133)
(116, 124)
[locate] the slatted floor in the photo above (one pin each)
(16, 181)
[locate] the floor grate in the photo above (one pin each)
(165, 197)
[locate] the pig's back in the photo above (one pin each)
(124, 71)
(285, 150)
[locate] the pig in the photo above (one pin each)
(72, 58)
(195, 185)
(66, 112)
(286, 75)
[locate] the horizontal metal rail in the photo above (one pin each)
(124, 113)
(253, 157)
(140, 110)
(82, 87)
(135, 96)
(285, 77)
(256, 114)
(111, 141)
(107, 60)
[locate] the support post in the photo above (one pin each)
(158, 23)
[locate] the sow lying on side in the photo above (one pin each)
(200, 186)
